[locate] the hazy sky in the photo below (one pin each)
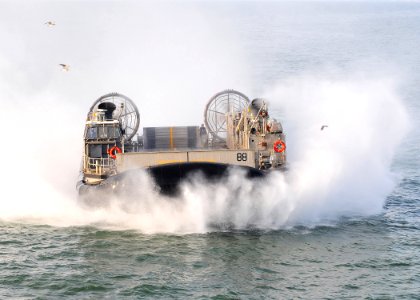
(170, 58)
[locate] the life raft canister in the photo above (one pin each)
(112, 152)
(279, 146)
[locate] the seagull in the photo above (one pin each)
(50, 23)
(324, 126)
(65, 67)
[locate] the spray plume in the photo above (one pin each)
(339, 171)
(343, 170)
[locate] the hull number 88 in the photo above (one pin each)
(241, 156)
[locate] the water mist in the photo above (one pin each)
(342, 170)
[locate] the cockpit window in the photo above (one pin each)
(103, 132)
(113, 132)
(91, 133)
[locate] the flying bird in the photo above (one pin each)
(324, 126)
(65, 67)
(50, 23)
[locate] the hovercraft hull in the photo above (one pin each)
(166, 178)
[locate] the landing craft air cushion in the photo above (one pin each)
(236, 133)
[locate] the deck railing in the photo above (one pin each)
(99, 166)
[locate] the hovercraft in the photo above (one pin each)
(236, 133)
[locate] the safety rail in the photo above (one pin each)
(99, 166)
